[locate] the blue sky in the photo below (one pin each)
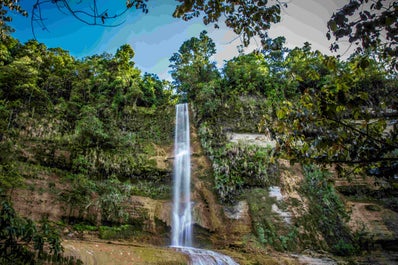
(157, 35)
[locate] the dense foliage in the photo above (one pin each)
(191, 67)
(96, 124)
(319, 110)
(327, 212)
(343, 113)
(82, 111)
(24, 242)
(369, 25)
(82, 104)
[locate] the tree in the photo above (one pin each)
(89, 14)
(18, 84)
(375, 29)
(191, 65)
(154, 91)
(5, 6)
(247, 74)
(247, 18)
(277, 85)
(370, 25)
(23, 242)
(124, 56)
(125, 79)
(90, 131)
(338, 118)
(57, 74)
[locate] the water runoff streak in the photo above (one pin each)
(181, 233)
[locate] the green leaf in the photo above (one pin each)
(332, 25)
(280, 113)
(340, 108)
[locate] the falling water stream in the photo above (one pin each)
(181, 234)
(182, 218)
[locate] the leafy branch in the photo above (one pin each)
(91, 17)
(375, 28)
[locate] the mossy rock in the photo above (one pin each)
(373, 208)
(118, 232)
(117, 253)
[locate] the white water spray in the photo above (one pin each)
(181, 233)
(182, 218)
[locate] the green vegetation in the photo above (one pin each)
(369, 26)
(93, 117)
(320, 111)
(269, 228)
(327, 212)
(121, 232)
(237, 167)
(24, 242)
(102, 129)
(94, 128)
(337, 116)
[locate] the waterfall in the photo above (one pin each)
(181, 232)
(182, 217)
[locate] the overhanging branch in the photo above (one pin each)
(91, 17)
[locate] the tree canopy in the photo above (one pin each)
(246, 18)
(324, 109)
(5, 6)
(370, 25)
(343, 113)
(320, 109)
(192, 65)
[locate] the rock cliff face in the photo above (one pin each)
(37, 201)
(216, 225)
(154, 213)
(225, 226)
(372, 212)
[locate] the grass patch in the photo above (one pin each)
(116, 232)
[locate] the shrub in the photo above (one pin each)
(116, 232)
